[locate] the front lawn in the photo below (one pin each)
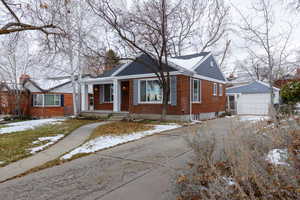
(18, 145)
(112, 134)
(120, 128)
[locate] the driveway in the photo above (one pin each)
(136, 170)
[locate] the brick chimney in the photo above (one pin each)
(23, 78)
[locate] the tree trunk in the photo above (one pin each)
(166, 97)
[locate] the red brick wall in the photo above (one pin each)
(209, 103)
(8, 103)
(45, 112)
(97, 105)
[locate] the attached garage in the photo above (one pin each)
(251, 99)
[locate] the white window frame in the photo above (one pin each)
(220, 90)
(43, 97)
(199, 91)
(150, 102)
(215, 89)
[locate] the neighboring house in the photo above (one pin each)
(50, 97)
(9, 93)
(197, 89)
(250, 99)
(280, 83)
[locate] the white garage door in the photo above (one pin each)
(253, 104)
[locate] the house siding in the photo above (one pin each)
(44, 112)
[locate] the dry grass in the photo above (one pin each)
(234, 166)
(14, 146)
(120, 128)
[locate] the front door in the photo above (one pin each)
(124, 95)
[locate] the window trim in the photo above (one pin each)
(43, 104)
(215, 89)
(150, 102)
(199, 91)
(111, 93)
(220, 90)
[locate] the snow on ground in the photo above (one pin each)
(253, 118)
(104, 142)
(51, 139)
(27, 125)
(2, 162)
(278, 156)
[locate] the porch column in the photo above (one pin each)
(116, 107)
(84, 97)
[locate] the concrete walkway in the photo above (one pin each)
(68, 143)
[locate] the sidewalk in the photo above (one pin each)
(68, 143)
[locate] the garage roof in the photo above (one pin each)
(251, 88)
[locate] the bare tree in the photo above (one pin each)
(19, 16)
(156, 28)
(264, 42)
(16, 60)
(143, 29)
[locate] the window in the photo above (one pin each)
(150, 91)
(46, 100)
(38, 99)
(211, 64)
(52, 100)
(215, 89)
(108, 93)
(196, 90)
(220, 90)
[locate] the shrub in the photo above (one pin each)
(290, 92)
(234, 165)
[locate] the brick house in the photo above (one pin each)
(8, 99)
(197, 89)
(49, 97)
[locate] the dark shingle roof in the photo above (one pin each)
(108, 73)
(251, 88)
(140, 66)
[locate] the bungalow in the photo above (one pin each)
(49, 97)
(197, 89)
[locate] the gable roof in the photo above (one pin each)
(255, 87)
(202, 65)
(47, 84)
(140, 66)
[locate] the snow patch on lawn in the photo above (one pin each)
(27, 125)
(253, 118)
(51, 139)
(278, 156)
(104, 142)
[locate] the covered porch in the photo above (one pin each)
(105, 96)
